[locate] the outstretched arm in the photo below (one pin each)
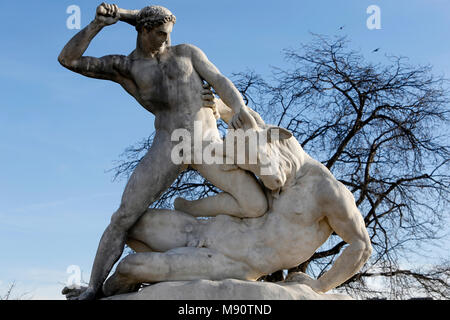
(348, 223)
(351, 228)
(222, 85)
(221, 110)
(107, 67)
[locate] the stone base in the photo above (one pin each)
(229, 289)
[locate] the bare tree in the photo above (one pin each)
(8, 295)
(381, 128)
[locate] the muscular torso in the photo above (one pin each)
(283, 238)
(169, 87)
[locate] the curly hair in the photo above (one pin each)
(153, 16)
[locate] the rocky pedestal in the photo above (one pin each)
(229, 289)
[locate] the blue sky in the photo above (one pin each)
(60, 132)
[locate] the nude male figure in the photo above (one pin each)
(172, 245)
(165, 80)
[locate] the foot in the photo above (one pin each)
(82, 293)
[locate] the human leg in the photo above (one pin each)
(243, 196)
(175, 265)
(153, 175)
(162, 230)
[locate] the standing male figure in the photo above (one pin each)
(166, 81)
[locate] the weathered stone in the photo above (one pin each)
(272, 214)
(229, 289)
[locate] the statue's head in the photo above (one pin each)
(153, 16)
(154, 25)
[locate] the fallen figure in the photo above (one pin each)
(307, 204)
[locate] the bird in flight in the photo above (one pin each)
(376, 50)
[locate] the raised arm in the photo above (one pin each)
(111, 67)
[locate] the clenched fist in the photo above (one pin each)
(107, 14)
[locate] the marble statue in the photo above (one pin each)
(167, 81)
(307, 205)
(263, 221)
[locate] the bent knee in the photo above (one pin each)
(254, 207)
(128, 265)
